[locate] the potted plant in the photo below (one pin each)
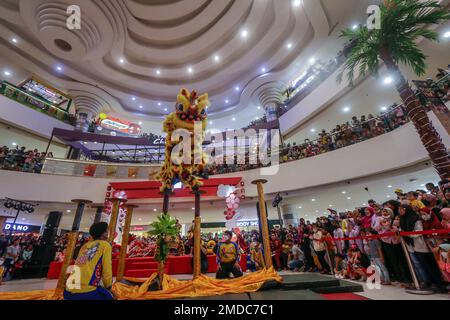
(164, 228)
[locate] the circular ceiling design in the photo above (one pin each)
(148, 49)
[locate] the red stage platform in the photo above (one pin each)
(144, 267)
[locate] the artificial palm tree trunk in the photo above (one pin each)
(418, 116)
(160, 273)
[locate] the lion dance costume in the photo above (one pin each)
(189, 108)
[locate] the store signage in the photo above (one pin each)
(250, 223)
(21, 227)
(138, 228)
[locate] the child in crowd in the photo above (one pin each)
(376, 257)
(340, 269)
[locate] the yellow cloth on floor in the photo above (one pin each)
(172, 288)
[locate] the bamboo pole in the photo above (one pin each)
(72, 241)
(113, 220)
(263, 220)
(124, 245)
(197, 233)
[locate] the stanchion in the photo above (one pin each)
(197, 232)
(113, 219)
(264, 225)
(98, 212)
(329, 259)
(72, 241)
(418, 289)
(124, 245)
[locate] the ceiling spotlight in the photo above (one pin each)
(388, 80)
(159, 104)
(447, 34)
(388, 196)
(68, 211)
(244, 33)
(296, 3)
(355, 26)
(133, 98)
(389, 186)
(121, 60)
(313, 200)
(312, 60)
(383, 108)
(140, 107)
(349, 198)
(190, 70)
(313, 130)
(7, 73)
(59, 68)
(210, 122)
(344, 192)
(14, 40)
(140, 123)
(237, 88)
(227, 101)
(346, 109)
(14, 144)
(158, 72)
(154, 210)
(299, 207)
(257, 118)
(263, 69)
(289, 45)
(234, 119)
(165, 109)
(216, 58)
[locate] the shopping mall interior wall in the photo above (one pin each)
(10, 135)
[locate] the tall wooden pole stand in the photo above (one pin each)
(197, 233)
(72, 241)
(98, 212)
(264, 224)
(113, 219)
(124, 245)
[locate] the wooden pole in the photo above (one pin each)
(98, 212)
(197, 233)
(124, 244)
(264, 224)
(72, 241)
(113, 219)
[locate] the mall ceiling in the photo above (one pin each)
(136, 54)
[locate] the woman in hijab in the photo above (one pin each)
(423, 260)
(429, 220)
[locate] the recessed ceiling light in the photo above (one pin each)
(313, 130)
(330, 205)
(313, 200)
(296, 3)
(158, 72)
(383, 108)
(344, 192)
(193, 208)
(14, 40)
(121, 60)
(7, 73)
(237, 88)
(388, 80)
(216, 58)
(140, 123)
(364, 204)
(210, 122)
(299, 207)
(263, 69)
(312, 60)
(258, 107)
(190, 70)
(289, 45)
(165, 109)
(317, 211)
(140, 219)
(23, 219)
(349, 198)
(133, 98)
(159, 104)
(227, 101)
(244, 33)
(155, 210)
(389, 186)
(447, 34)
(257, 118)
(355, 26)
(59, 68)
(140, 107)
(14, 144)
(68, 211)
(388, 196)
(234, 119)
(346, 109)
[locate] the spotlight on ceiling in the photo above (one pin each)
(121, 60)
(227, 101)
(388, 80)
(190, 70)
(59, 68)
(7, 73)
(14, 40)
(289, 45)
(447, 34)
(237, 88)
(313, 130)
(158, 72)
(355, 26)
(244, 33)
(263, 69)
(312, 60)
(216, 58)
(383, 108)
(133, 98)
(165, 109)
(346, 109)
(234, 119)
(296, 3)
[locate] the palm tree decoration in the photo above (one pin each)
(164, 228)
(402, 23)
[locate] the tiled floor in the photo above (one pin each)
(385, 293)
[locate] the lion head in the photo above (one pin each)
(190, 108)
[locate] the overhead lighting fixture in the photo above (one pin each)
(14, 144)
(346, 109)
(447, 34)
(313, 200)
(296, 3)
(7, 73)
(165, 109)
(227, 101)
(313, 130)
(263, 69)
(59, 68)
(344, 192)
(14, 40)
(210, 122)
(349, 198)
(68, 211)
(388, 80)
(389, 186)
(158, 72)
(190, 70)
(258, 107)
(216, 58)
(312, 60)
(154, 210)
(244, 33)
(140, 107)
(355, 26)
(388, 196)
(133, 98)
(121, 60)
(289, 45)
(140, 123)
(257, 118)
(299, 207)
(237, 88)
(234, 119)
(383, 108)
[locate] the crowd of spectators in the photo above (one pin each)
(21, 159)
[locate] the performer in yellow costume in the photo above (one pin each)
(93, 265)
(228, 258)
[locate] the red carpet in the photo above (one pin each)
(342, 296)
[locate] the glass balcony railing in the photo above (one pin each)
(34, 102)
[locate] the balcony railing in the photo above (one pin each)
(34, 102)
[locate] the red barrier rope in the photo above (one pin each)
(403, 233)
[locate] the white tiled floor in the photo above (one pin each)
(385, 293)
